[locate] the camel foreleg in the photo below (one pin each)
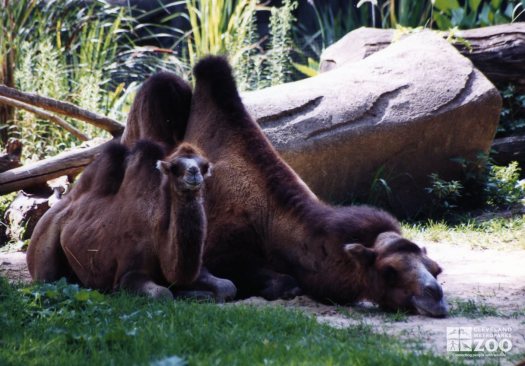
(206, 284)
(141, 284)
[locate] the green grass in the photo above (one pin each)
(61, 324)
(471, 309)
(359, 313)
(494, 233)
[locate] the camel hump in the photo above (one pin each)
(214, 75)
(104, 175)
(147, 152)
(110, 169)
(160, 111)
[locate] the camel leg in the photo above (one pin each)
(220, 289)
(141, 284)
(260, 281)
(276, 285)
(46, 260)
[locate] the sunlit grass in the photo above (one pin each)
(495, 233)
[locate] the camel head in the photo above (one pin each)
(186, 168)
(403, 276)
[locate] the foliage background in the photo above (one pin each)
(96, 54)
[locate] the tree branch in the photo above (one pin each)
(71, 162)
(45, 115)
(65, 108)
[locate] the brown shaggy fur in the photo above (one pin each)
(164, 102)
(263, 218)
(269, 233)
(131, 222)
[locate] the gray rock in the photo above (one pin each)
(399, 114)
(355, 46)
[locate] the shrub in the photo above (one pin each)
(445, 194)
(512, 116)
(503, 187)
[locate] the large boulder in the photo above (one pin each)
(497, 51)
(392, 119)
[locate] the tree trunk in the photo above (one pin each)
(7, 112)
(497, 51)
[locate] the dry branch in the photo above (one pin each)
(45, 115)
(69, 163)
(67, 109)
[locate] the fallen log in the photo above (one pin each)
(497, 51)
(509, 149)
(68, 163)
(64, 108)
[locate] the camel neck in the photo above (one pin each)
(183, 229)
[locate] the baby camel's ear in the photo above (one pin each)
(361, 253)
(209, 171)
(163, 166)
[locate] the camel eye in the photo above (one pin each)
(390, 274)
(204, 168)
(177, 169)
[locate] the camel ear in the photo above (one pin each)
(361, 253)
(163, 166)
(209, 171)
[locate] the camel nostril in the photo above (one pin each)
(434, 290)
(193, 170)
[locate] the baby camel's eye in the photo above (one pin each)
(204, 168)
(177, 169)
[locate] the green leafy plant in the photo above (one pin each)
(5, 201)
(14, 19)
(512, 116)
(67, 51)
(445, 194)
(279, 61)
(219, 27)
(380, 193)
(503, 187)
(230, 28)
(473, 13)
(434, 14)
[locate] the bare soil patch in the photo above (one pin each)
(485, 288)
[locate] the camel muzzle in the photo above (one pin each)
(431, 302)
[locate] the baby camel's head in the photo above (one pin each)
(186, 168)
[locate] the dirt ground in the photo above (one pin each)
(485, 288)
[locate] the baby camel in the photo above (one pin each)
(132, 222)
